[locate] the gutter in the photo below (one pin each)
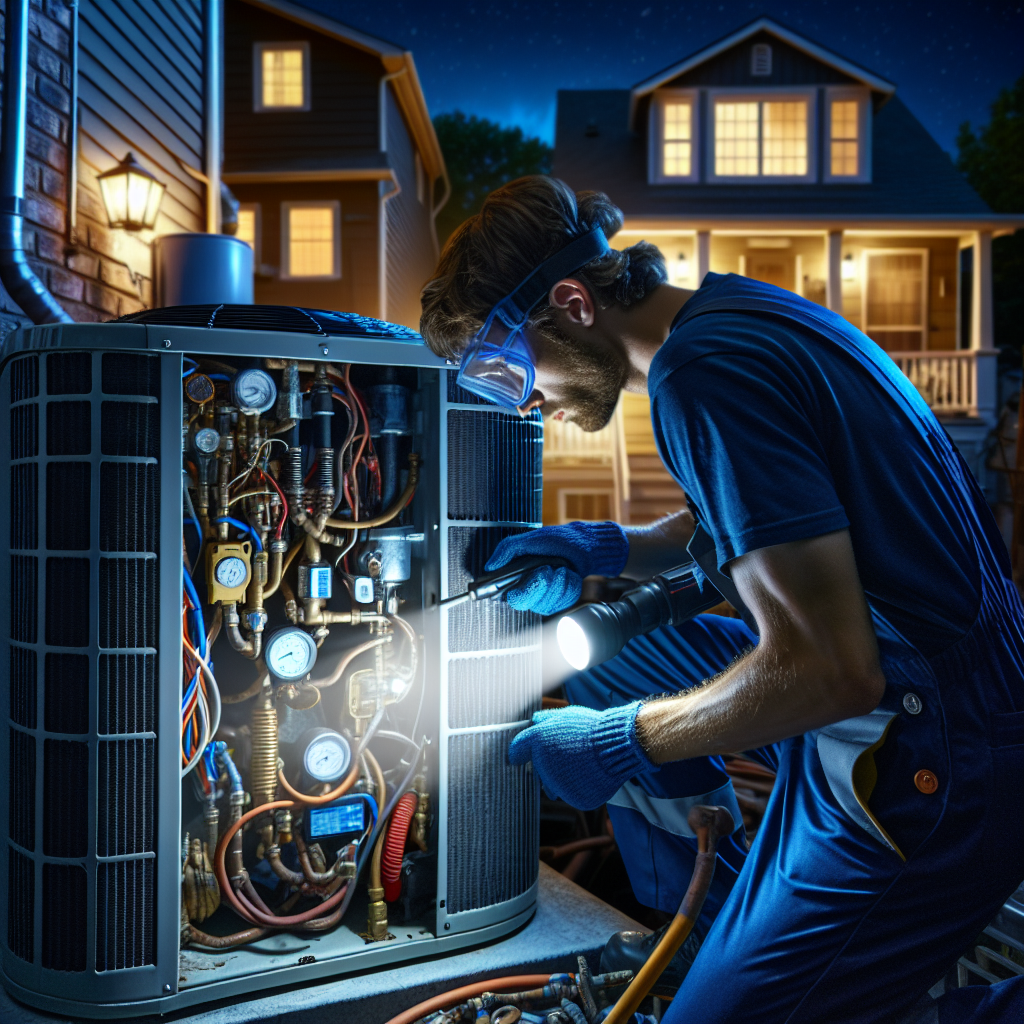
(71, 197)
(20, 280)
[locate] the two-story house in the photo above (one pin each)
(330, 149)
(767, 155)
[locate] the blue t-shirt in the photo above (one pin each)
(777, 432)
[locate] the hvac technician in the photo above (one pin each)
(886, 687)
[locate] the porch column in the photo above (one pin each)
(981, 293)
(834, 271)
(703, 255)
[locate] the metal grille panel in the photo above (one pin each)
(483, 690)
(24, 378)
(65, 917)
(126, 914)
(127, 780)
(69, 373)
(494, 466)
(22, 775)
(497, 863)
(24, 505)
(23, 667)
(21, 898)
(67, 693)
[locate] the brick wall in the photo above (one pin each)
(87, 278)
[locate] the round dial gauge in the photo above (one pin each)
(290, 653)
(327, 756)
(207, 440)
(231, 571)
(254, 389)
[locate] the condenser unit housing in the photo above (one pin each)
(101, 479)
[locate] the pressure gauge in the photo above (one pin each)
(231, 571)
(207, 441)
(254, 389)
(290, 653)
(327, 755)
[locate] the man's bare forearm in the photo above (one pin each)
(658, 546)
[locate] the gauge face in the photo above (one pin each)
(327, 757)
(207, 440)
(231, 572)
(290, 653)
(254, 389)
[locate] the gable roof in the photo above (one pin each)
(802, 43)
(397, 61)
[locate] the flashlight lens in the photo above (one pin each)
(573, 643)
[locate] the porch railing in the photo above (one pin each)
(961, 383)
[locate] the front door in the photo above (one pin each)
(772, 267)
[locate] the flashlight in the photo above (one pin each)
(596, 632)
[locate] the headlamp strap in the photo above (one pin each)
(578, 253)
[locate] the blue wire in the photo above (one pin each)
(190, 589)
(218, 376)
(245, 528)
(195, 523)
(188, 693)
(195, 366)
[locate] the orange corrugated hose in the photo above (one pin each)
(394, 846)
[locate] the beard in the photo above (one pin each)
(597, 377)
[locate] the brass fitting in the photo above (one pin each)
(377, 916)
(421, 819)
(199, 889)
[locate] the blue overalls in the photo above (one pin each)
(861, 887)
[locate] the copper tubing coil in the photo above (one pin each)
(460, 995)
(579, 846)
(263, 760)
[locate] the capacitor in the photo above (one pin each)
(315, 580)
(199, 388)
(254, 389)
(206, 441)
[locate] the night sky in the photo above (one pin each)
(506, 60)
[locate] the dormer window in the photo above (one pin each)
(761, 59)
(280, 76)
(762, 136)
(674, 136)
(846, 156)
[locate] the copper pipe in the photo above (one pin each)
(318, 801)
(243, 938)
(579, 846)
(385, 517)
(263, 679)
(347, 660)
(285, 873)
(309, 874)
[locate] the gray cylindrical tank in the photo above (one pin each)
(197, 270)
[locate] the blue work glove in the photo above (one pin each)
(582, 756)
(591, 549)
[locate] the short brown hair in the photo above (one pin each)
(519, 226)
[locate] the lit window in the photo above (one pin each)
(785, 139)
(845, 121)
(249, 227)
(677, 140)
(736, 139)
(761, 59)
(767, 138)
(281, 76)
(311, 239)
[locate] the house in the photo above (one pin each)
(765, 154)
(321, 131)
(330, 149)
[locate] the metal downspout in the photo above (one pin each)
(72, 177)
(18, 277)
(213, 101)
(382, 250)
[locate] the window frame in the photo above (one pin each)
(257, 230)
(655, 133)
(925, 254)
(258, 50)
(761, 95)
(291, 204)
(862, 98)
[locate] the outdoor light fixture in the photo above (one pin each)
(679, 271)
(131, 195)
(596, 632)
(849, 271)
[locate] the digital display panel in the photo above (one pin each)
(336, 819)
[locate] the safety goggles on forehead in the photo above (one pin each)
(498, 364)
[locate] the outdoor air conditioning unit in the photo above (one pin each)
(147, 464)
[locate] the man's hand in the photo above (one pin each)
(816, 663)
(582, 756)
(589, 548)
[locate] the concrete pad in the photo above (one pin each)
(568, 922)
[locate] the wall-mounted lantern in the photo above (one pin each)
(131, 195)
(849, 268)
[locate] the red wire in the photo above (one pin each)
(284, 502)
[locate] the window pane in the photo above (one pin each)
(247, 226)
(785, 138)
(311, 241)
(736, 138)
(676, 143)
(282, 78)
(894, 290)
(845, 130)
